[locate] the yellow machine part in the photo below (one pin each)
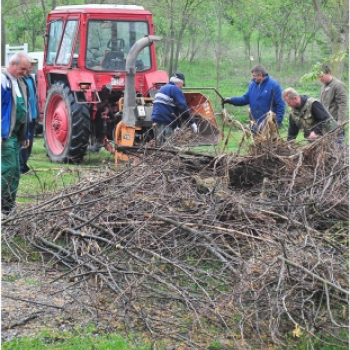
(124, 136)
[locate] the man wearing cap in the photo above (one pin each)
(24, 153)
(169, 106)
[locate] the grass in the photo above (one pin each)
(68, 341)
(48, 177)
(323, 343)
(12, 247)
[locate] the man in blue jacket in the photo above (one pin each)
(169, 106)
(264, 94)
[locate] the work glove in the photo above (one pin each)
(176, 130)
(227, 100)
(194, 128)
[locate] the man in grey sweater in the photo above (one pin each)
(333, 95)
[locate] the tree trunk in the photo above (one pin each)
(43, 5)
(3, 40)
(54, 3)
(259, 49)
(338, 34)
(178, 47)
(219, 45)
(172, 39)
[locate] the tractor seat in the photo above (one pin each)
(113, 60)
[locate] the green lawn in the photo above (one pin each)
(48, 177)
(67, 341)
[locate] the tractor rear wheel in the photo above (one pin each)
(66, 125)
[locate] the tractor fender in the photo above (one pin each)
(77, 77)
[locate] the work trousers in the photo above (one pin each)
(24, 153)
(162, 134)
(10, 173)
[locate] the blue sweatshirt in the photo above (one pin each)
(262, 98)
(169, 103)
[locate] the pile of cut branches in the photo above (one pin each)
(195, 249)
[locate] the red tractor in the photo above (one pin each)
(99, 78)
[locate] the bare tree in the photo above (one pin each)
(335, 24)
(179, 13)
(3, 40)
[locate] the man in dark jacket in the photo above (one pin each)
(169, 106)
(264, 94)
(13, 128)
(24, 153)
(307, 114)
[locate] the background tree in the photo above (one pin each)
(180, 15)
(303, 36)
(243, 17)
(34, 22)
(333, 16)
(3, 39)
(195, 30)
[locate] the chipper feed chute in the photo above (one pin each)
(208, 132)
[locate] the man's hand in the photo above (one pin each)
(194, 128)
(26, 144)
(227, 100)
(176, 130)
(312, 136)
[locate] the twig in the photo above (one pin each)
(21, 322)
(5, 295)
(313, 275)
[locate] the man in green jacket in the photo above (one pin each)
(13, 91)
(307, 114)
(333, 95)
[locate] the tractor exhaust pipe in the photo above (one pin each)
(130, 68)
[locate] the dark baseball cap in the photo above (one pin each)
(180, 76)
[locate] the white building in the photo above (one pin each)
(11, 50)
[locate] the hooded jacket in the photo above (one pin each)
(10, 120)
(263, 98)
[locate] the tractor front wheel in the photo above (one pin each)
(66, 125)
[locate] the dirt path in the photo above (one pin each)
(31, 301)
